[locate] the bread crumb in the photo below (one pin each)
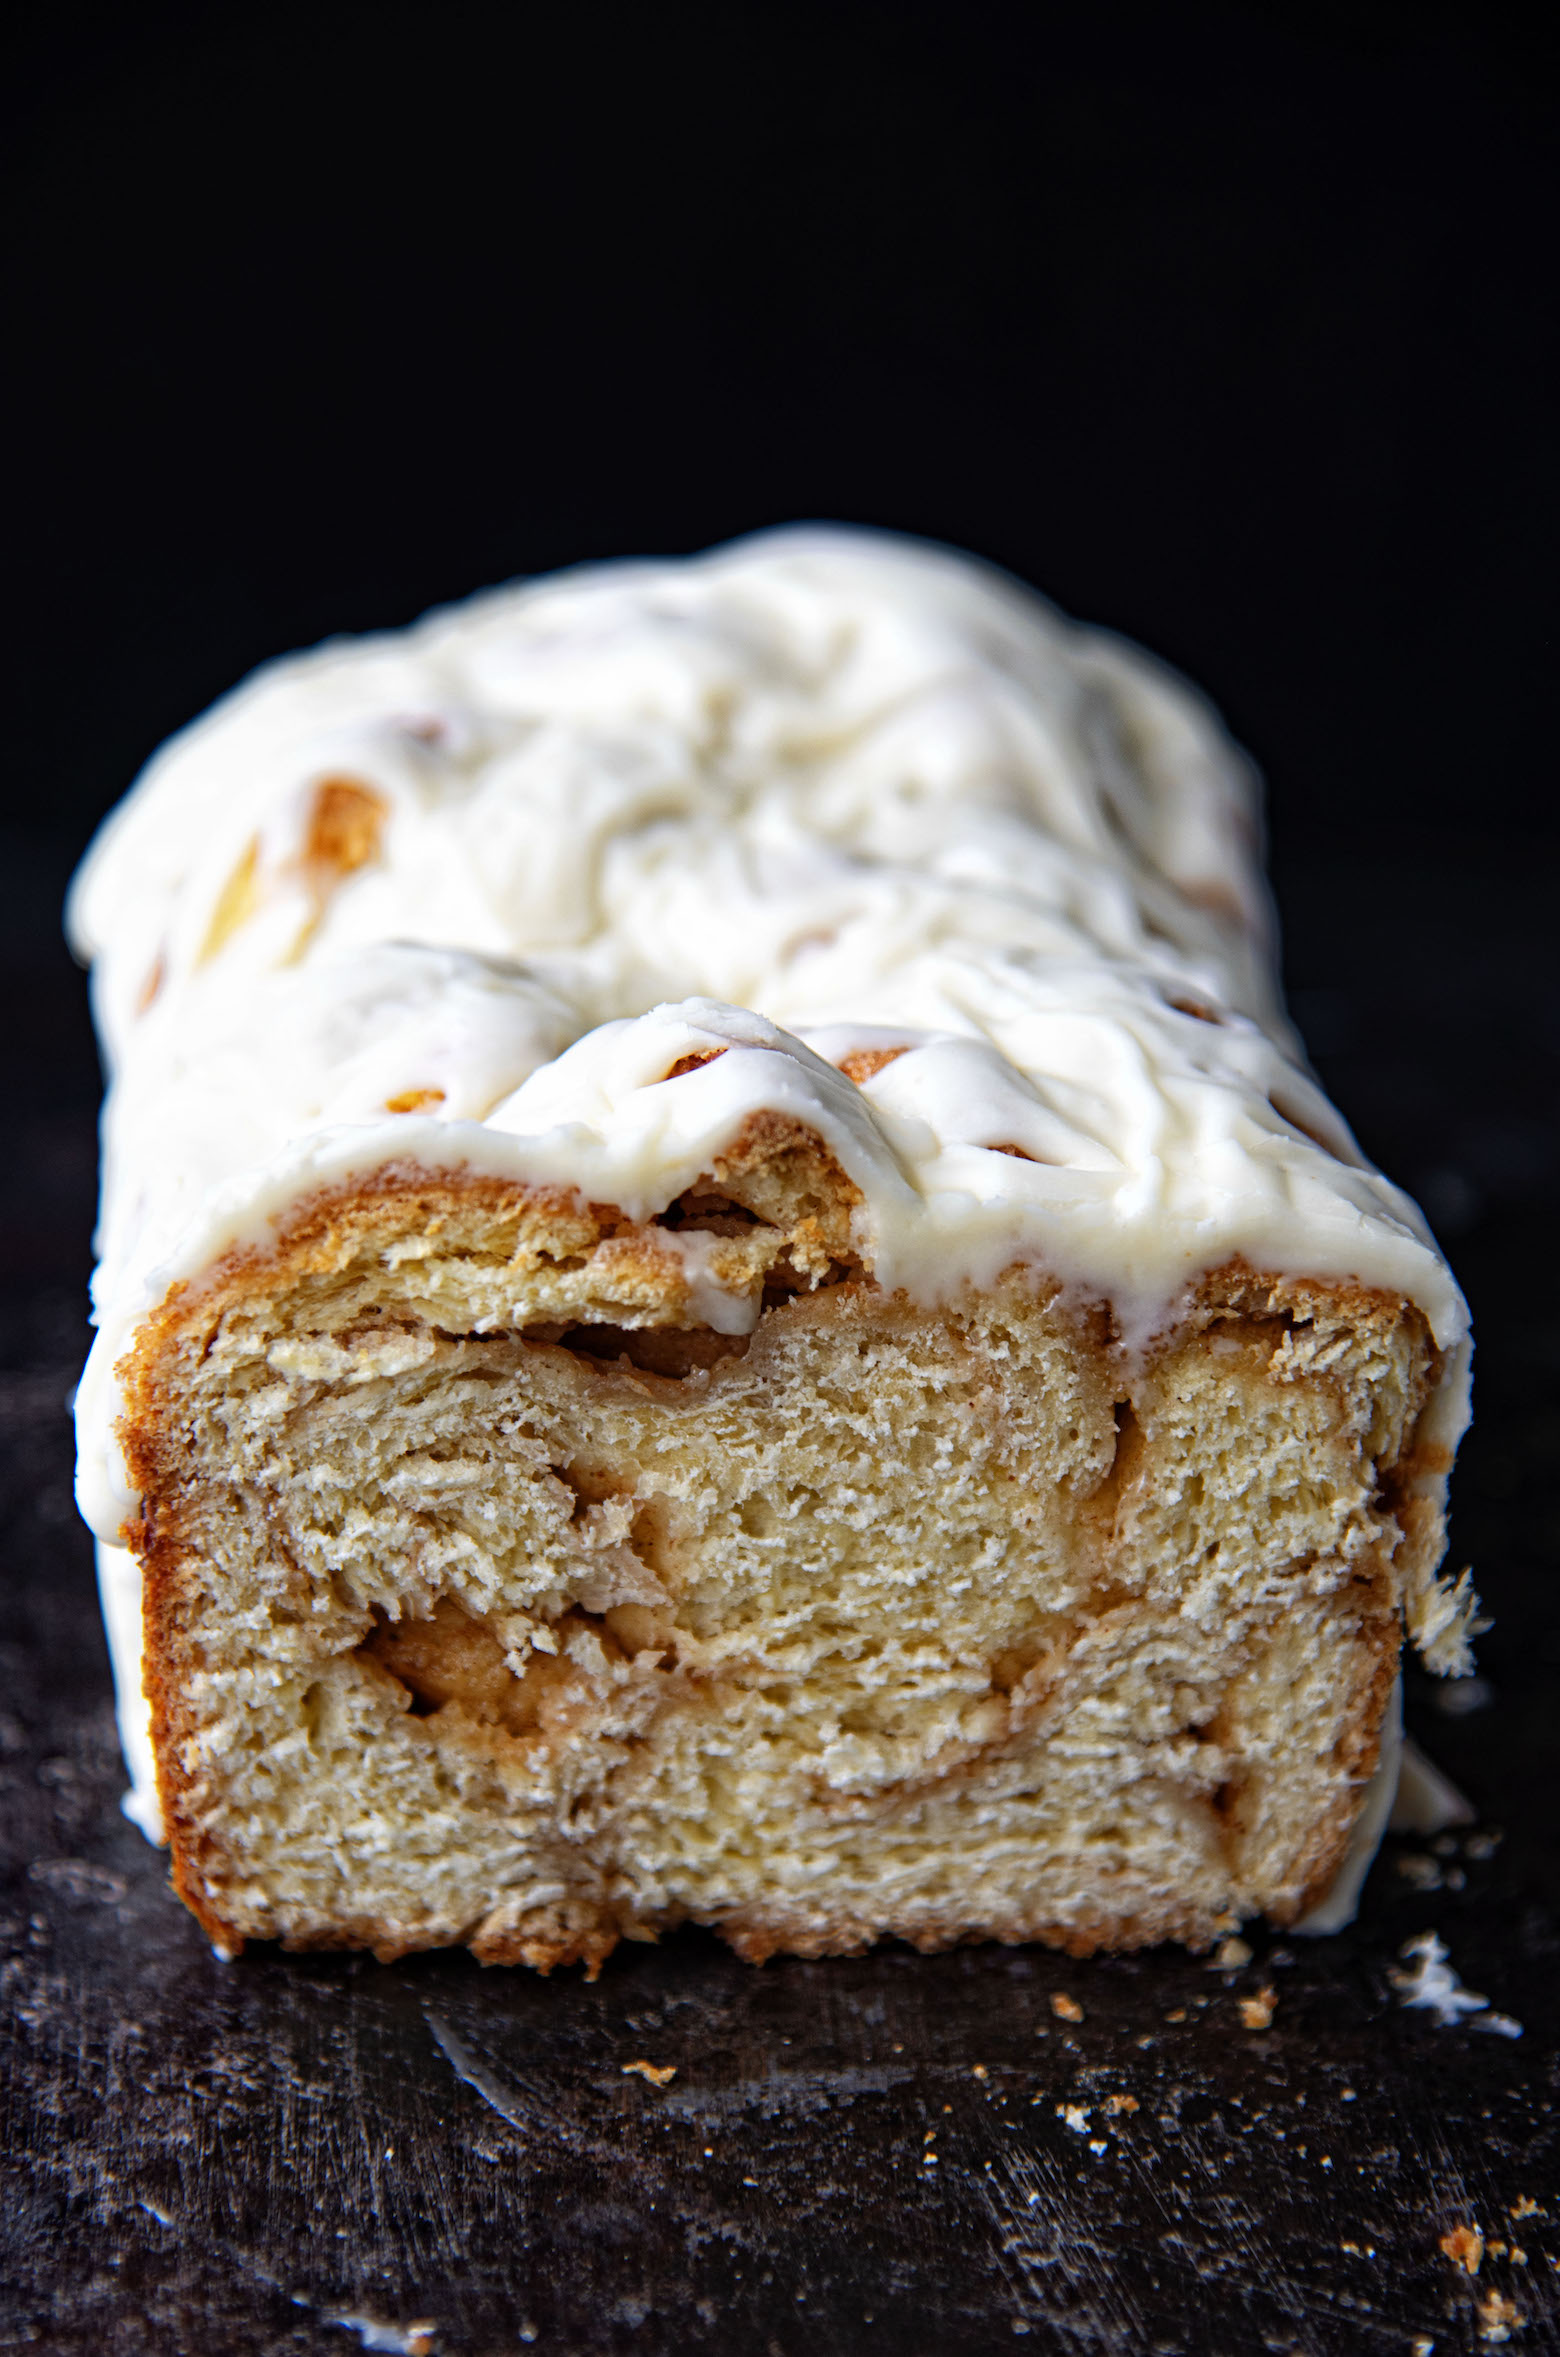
(1464, 2246)
(1525, 2207)
(1434, 1985)
(1076, 2115)
(1178, 2014)
(1256, 2012)
(1518, 2255)
(1121, 2103)
(1498, 2317)
(978, 2070)
(1066, 2008)
(659, 2074)
(1422, 1872)
(1231, 1955)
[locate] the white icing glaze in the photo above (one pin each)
(863, 786)
(817, 791)
(1425, 1800)
(119, 1594)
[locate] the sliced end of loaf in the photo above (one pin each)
(493, 1596)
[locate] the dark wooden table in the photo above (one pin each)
(895, 2152)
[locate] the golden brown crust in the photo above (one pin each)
(757, 1934)
(863, 1064)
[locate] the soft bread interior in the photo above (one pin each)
(493, 1598)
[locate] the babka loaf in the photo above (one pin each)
(724, 1296)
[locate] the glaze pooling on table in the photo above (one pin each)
(467, 894)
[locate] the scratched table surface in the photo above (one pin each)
(1144, 2154)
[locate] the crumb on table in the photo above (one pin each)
(659, 2074)
(1464, 2246)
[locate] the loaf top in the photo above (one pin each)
(567, 883)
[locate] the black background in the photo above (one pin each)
(1230, 327)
